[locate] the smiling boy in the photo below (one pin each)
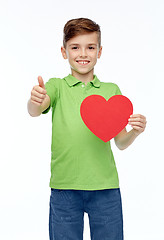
(84, 177)
(82, 52)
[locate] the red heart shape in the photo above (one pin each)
(106, 118)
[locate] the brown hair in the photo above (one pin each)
(79, 26)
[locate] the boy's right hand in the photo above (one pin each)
(38, 92)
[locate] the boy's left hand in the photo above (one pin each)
(138, 123)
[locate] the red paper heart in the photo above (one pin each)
(106, 118)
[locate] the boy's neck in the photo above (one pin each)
(83, 77)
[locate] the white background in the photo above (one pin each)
(133, 49)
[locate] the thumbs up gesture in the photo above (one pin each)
(38, 92)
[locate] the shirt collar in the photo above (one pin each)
(71, 80)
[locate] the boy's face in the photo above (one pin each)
(82, 52)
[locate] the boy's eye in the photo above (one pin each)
(77, 47)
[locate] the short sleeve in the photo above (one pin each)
(52, 88)
(117, 90)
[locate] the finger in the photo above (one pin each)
(137, 116)
(37, 94)
(139, 124)
(36, 103)
(41, 82)
(39, 89)
(138, 129)
(132, 120)
(38, 100)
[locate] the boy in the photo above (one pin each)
(83, 173)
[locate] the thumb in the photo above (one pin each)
(41, 82)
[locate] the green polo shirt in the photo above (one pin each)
(79, 159)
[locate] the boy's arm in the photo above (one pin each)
(39, 100)
(124, 138)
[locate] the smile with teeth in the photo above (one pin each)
(83, 62)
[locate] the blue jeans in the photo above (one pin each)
(104, 208)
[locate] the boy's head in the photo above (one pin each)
(81, 45)
(79, 26)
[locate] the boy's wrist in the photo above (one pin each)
(135, 132)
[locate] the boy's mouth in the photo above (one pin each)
(83, 62)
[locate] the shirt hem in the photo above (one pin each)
(82, 187)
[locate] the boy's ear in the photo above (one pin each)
(63, 51)
(100, 52)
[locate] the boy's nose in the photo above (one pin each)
(83, 53)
